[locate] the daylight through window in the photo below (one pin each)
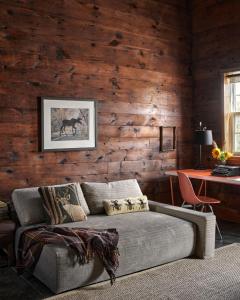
(232, 112)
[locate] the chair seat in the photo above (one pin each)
(209, 200)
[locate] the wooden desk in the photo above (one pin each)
(203, 175)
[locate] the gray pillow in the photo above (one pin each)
(95, 193)
(29, 205)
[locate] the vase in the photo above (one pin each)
(221, 162)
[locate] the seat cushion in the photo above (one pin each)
(146, 239)
(95, 193)
(209, 200)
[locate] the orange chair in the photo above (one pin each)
(190, 197)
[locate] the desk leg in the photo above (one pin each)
(200, 188)
(205, 188)
(171, 187)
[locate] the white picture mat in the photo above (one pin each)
(77, 104)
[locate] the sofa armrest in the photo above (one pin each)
(205, 222)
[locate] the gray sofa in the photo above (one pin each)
(146, 239)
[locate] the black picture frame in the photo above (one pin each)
(167, 138)
(66, 143)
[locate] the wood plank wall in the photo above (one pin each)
(134, 56)
(216, 47)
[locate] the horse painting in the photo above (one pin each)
(70, 123)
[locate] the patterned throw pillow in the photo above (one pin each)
(127, 205)
(62, 204)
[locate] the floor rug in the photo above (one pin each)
(216, 278)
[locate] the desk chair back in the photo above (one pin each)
(187, 190)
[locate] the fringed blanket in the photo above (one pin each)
(85, 242)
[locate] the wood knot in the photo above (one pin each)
(61, 54)
(63, 161)
(115, 83)
(114, 43)
(142, 65)
(119, 35)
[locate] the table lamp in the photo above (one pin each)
(202, 137)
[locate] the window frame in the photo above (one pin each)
(235, 160)
(234, 114)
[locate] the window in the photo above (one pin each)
(232, 112)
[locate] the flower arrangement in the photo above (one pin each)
(219, 154)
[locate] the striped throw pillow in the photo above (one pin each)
(62, 204)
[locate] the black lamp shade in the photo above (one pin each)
(203, 137)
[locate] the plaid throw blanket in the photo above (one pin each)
(85, 242)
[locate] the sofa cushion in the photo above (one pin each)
(62, 203)
(29, 205)
(126, 205)
(96, 192)
(146, 239)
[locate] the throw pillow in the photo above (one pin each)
(127, 205)
(62, 204)
(81, 198)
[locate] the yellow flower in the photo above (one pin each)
(228, 155)
(216, 153)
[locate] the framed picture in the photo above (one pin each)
(68, 124)
(167, 138)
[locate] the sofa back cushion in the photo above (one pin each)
(62, 203)
(95, 193)
(29, 205)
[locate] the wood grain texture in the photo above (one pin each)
(132, 56)
(216, 47)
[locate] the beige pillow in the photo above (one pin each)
(126, 205)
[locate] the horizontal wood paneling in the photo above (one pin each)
(134, 57)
